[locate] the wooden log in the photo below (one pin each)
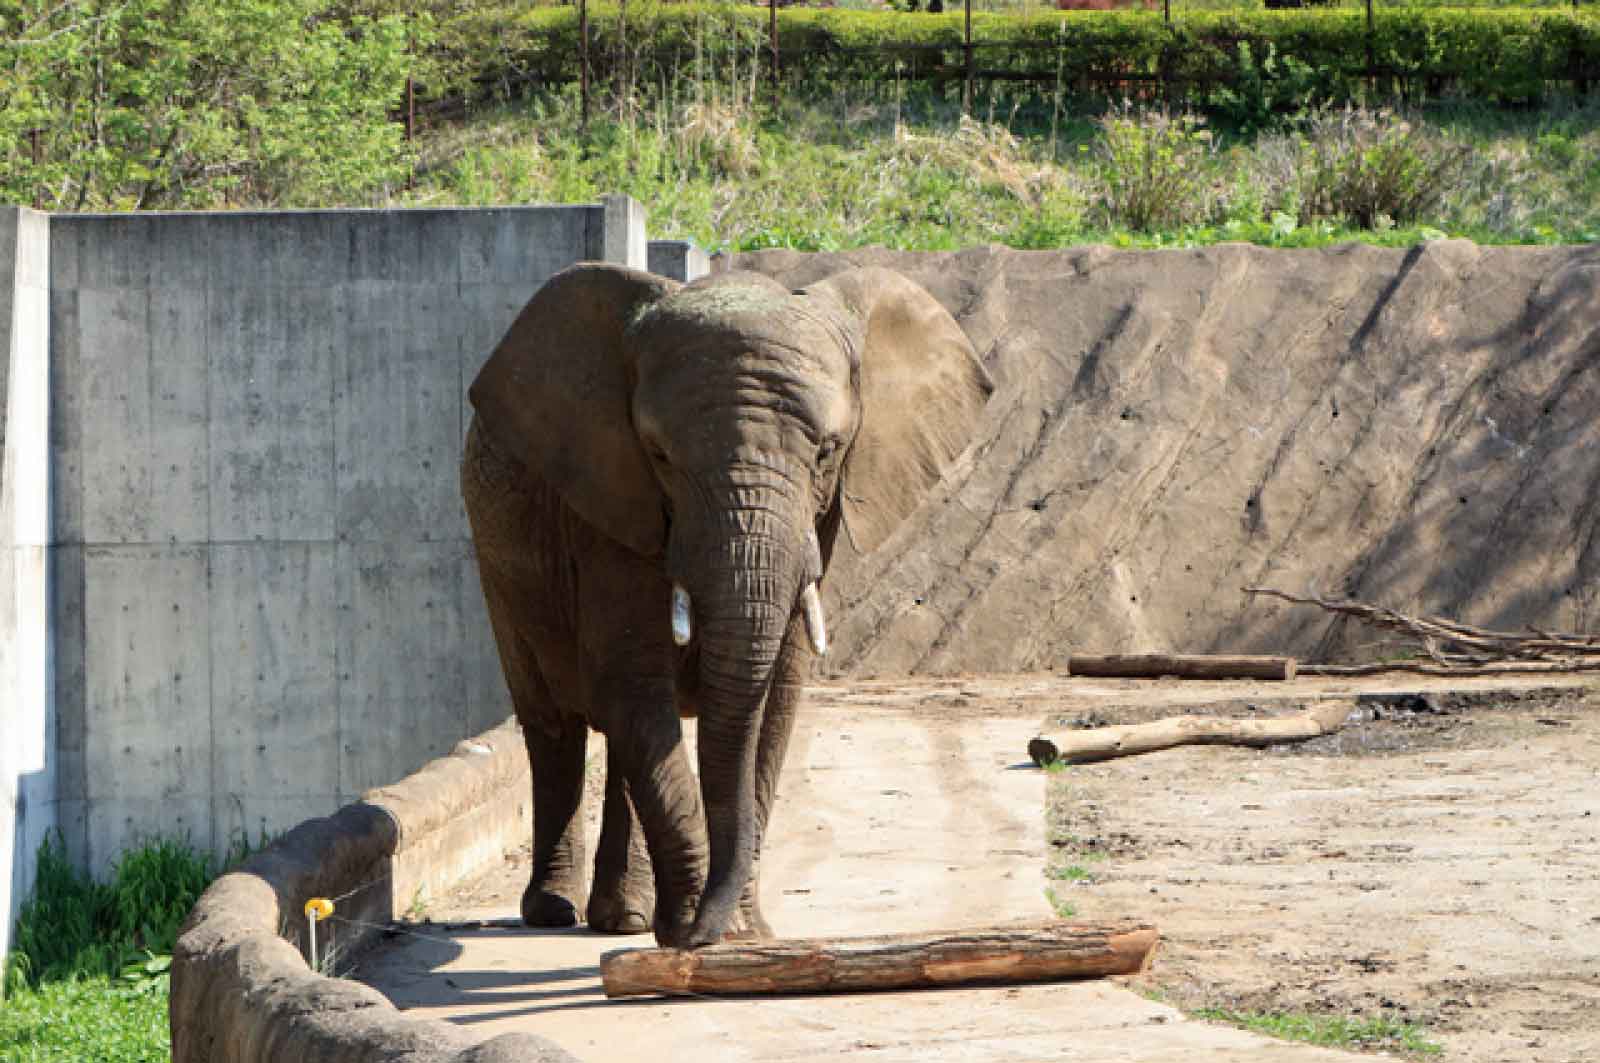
(1107, 743)
(1183, 666)
(1004, 954)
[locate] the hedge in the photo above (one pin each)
(1494, 53)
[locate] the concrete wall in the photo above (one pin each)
(27, 717)
(263, 598)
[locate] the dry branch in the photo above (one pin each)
(1127, 740)
(1183, 666)
(1035, 953)
(1458, 670)
(1455, 649)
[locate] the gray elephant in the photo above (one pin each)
(655, 476)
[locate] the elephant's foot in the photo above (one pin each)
(750, 925)
(615, 912)
(547, 906)
(674, 924)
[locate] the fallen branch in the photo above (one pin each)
(1454, 648)
(1127, 740)
(1040, 953)
(1183, 666)
(1462, 670)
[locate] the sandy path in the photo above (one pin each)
(904, 809)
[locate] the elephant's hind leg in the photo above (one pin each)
(555, 892)
(623, 899)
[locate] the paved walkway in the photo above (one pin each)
(904, 809)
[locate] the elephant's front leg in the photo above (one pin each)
(777, 725)
(665, 795)
(630, 663)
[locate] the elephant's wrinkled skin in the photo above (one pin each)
(640, 445)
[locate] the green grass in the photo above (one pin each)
(1331, 1031)
(96, 1019)
(1064, 909)
(912, 174)
(87, 979)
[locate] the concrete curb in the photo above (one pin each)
(242, 991)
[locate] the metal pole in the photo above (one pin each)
(966, 92)
(772, 36)
(411, 130)
(1371, 58)
(583, 62)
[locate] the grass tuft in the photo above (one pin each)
(1382, 1033)
(88, 977)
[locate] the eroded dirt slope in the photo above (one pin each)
(1416, 427)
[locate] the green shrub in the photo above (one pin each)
(1502, 54)
(1153, 169)
(75, 927)
(1374, 169)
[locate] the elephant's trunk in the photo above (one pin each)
(743, 602)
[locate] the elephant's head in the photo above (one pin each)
(730, 427)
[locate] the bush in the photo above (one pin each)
(1502, 54)
(74, 927)
(1373, 169)
(1153, 169)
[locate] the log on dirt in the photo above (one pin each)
(1182, 666)
(1107, 743)
(1004, 954)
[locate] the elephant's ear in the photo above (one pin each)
(922, 393)
(555, 393)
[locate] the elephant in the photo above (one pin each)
(655, 476)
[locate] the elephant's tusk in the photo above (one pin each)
(813, 556)
(816, 626)
(682, 625)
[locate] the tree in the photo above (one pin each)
(130, 104)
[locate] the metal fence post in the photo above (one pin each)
(1372, 61)
(966, 91)
(583, 63)
(772, 36)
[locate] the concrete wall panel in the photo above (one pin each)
(272, 426)
(69, 692)
(401, 670)
(397, 415)
(147, 705)
(66, 412)
(144, 478)
(274, 683)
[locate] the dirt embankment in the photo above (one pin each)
(1415, 427)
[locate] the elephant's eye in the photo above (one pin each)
(826, 450)
(657, 454)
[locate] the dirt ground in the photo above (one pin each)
(1435, 862)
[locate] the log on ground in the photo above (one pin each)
(1005, 954)
(1182, 666)
(1127, 740)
